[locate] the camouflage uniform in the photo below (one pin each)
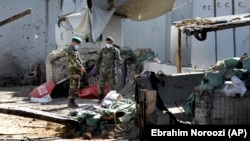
(74, 70)
(108, 61)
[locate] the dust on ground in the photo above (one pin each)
(23, 128)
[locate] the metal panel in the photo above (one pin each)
(114, 30)
(181, 11)
(146, 34)
(174, 45)
(224, 38)
(203, 52)
(242, 34)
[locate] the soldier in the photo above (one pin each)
(108, 63)
(75, 70)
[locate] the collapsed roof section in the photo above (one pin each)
(92, 20)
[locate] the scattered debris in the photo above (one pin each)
(215, 101)
(47, 116)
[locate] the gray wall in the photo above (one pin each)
(204, 50)
(114, 30)
(19, 50)
(159, 34)
(221, 44)
(147, 34)
(181, 11)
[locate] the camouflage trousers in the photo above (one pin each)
(104, 78)
(74, 85)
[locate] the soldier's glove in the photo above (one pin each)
(119, 71)
(83, 70)
(94, 71)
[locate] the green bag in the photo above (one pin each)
(231, 62)
(213, 79)
(246, 64)
(91, 118)
(189, 104)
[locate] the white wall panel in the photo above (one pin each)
(146, 34)
(182, 11)
(224, 38)
(114, 29)
(242, 34)
(203, 52)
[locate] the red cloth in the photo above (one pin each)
(91, 92)
(42, 90)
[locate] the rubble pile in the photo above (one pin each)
(112, 119)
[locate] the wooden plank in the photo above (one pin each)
(216, 23)
(228, 25)
(15, 17)
(212, 20)
(179, 57)
(42, 115)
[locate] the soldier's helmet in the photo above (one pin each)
(77, 39)
(109, 38)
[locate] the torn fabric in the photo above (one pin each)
(83, 28)
(92, 22)
(100, 20)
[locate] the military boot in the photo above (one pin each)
(72, 104)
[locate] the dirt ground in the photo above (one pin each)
(23, 128)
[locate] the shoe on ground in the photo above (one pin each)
(72, 104)
(99, 101)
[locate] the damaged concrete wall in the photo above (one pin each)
(20, 49)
